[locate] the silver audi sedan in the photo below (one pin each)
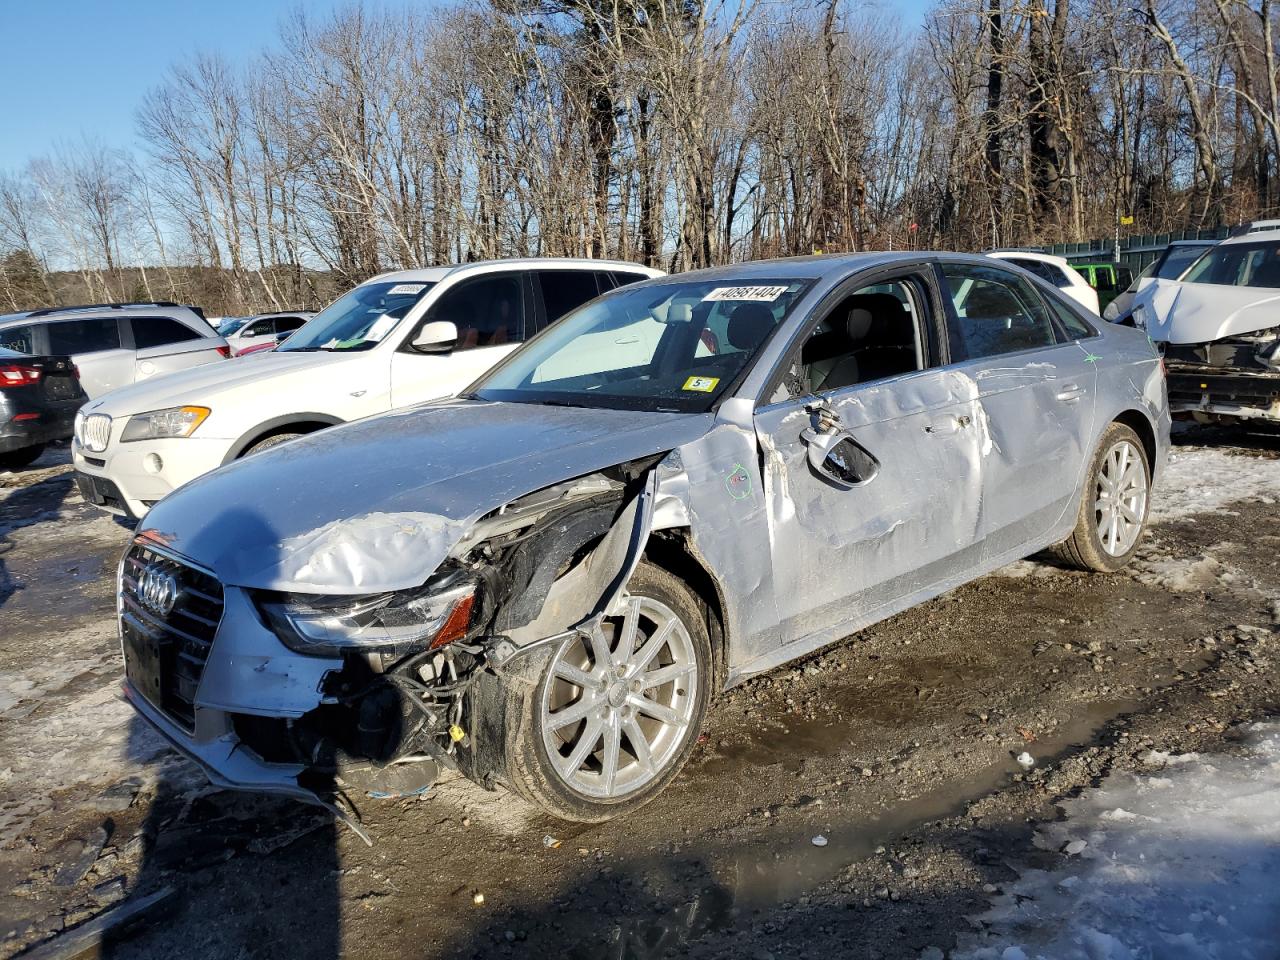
(684, 483)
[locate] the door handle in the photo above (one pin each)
(1070, 392)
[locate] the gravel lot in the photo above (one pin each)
(897, 746)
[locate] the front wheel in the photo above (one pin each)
(613, 717)
(1113, 505)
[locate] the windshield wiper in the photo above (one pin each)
(300, 350)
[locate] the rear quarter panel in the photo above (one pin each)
(1131, 377)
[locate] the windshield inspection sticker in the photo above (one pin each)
(406, 288)
(701, 384)
(758, 294)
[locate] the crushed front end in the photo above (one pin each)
(1236, 377)
(326, 698)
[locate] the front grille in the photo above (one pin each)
(165, 651)
(96, 432)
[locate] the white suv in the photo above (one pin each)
(399, 339)
(116, 344)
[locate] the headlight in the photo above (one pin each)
(173, 422)
(1111, 312)
(429, 616)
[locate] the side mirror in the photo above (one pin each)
(838, 458)
(833, 453)
(438, 336)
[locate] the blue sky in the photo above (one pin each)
(81, 67)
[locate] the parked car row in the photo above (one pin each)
(543, 580)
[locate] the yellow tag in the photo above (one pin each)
(701, 384)
(456, 733)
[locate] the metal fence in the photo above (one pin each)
(1135, 252)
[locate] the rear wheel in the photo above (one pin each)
(1113, 505)
(24, 457)
(615, 716)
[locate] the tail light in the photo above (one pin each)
(224, 352)
(18, 375)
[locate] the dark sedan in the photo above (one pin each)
(39, 397)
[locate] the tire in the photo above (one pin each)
(1119, 451)
(23, 457)
(266, 443)
(540, 760)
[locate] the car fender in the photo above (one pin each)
(246, 439)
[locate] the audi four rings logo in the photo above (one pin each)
(157, 590)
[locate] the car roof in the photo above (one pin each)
(1029, 255)
(98, 310)
(816, 267)
(436, 274)
(1257, 236)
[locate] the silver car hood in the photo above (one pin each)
(1204, 312)
(377, 505)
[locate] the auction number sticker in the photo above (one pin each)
(701, 384)
(406, 288)
(758, 294)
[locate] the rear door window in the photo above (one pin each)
(622, 277)
(996, 312)
(288, 324)
(84, 335)
(159, 331)
(1045, 271)
(21, 339)
(563, 291)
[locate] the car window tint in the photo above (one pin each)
(622, 277)
(1071, 323)
(488, 311)
(21, 339)
(288, 324)
(159, 331)
(1176, 260)
(996, 312)
(565, 290)
(1045, 271)
(85, 335)
(259, 328)
(869, 335)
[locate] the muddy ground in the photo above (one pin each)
(897, 746)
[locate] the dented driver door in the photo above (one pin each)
(850, 550)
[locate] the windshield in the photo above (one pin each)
(1238, 265)
(1177, 259)
(358, 320)
(229, 325)
(667, 346)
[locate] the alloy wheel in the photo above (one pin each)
(1120, 506)
(618, 705)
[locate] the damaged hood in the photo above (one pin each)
(378, 504)
(1203, 312)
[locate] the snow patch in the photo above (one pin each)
(1184, 865)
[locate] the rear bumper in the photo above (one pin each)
(1220, 391)
(36, 424)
